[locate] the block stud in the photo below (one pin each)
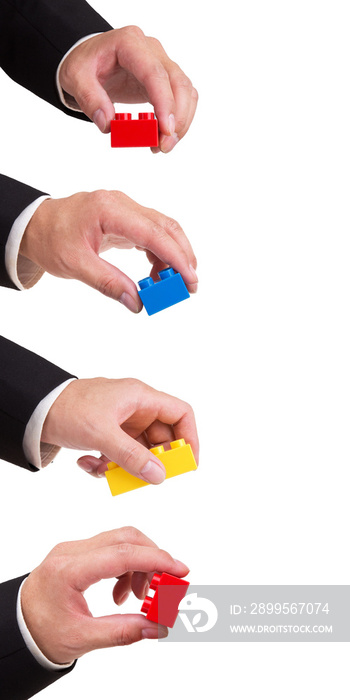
(168, 272)
(177, 443)
(157, 450)
(155, 581)
(146, 282)
(122, 116)
(146, 604)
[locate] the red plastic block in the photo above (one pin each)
(130, 133)
(163, 608)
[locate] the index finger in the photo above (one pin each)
(140, 60)
(180, 416)
(116, 560)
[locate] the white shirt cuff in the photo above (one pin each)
(29, 641)
(40, 454)
(23, 272)
(66, 99)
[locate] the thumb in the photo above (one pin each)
(134, 457)
(93, 100)
(109, 280)
(120, 630)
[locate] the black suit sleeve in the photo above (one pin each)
(35, 35)
(21, 676)
(25, 379)
(15, 196)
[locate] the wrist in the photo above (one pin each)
(56, 418)
(31, 240)
(36, 630)
(61, 79)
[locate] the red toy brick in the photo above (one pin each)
(163, 607)
(130, 133)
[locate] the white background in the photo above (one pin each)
(261, 187)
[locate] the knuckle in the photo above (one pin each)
(157, 232)
(85, 95)
(133, 32)
(195, 95)
(106, 285)
(129, 455)
(185, 83)
(56, 565)
(181, 123)
(154, 42)
(133, 385)
(123, 636)
(99, 198)
(172, 225)
(182, 80)
(60, 549)
(124, 550)
(129, 532)
(156, 72)
(187, 410)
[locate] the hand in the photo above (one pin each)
(65, 237)
(124, 65)
(121, 418)
(52, 597)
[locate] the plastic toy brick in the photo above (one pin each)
(178, 460)
(168, 593)
(129, 133)
(169, 290)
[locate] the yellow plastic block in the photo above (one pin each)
(178, 460)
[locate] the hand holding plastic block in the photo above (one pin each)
(178, 460)
(126, 67)
(133, 133)
(169, 290)
(168, 593)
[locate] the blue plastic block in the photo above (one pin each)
(157, 296)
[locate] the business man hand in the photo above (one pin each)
(65, 236)
(52, 597)
(122, 419)
(124, 65)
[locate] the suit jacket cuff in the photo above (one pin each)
(21, 675)
(25, 380)
(35, 36)
(23, 272)
(31, 644)
(16, 197)
(40, 453)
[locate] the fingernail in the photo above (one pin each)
(194, 273)
(168, 143)
(180, 562)
(123, 599)
(145, 590)
(87, 465)
(153, 472)
(171, 123)
(151, 633)
(129, 302)
(99, 118)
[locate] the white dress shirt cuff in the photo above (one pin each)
(66, 99)
(23, 272)
(29, 641)
(38, 453)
